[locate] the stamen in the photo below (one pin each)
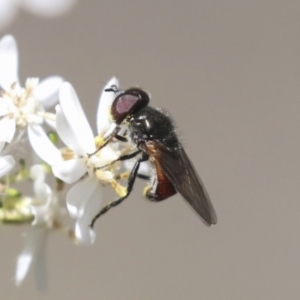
(119, 189)
(49, 116)
(99, 141)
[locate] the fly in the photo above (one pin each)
(153, 134)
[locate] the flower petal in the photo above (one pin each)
(76, 118)
(34, 243)
(39, 213)
(48, 8)
(71, 170)
(8, 62)
(7, 12)
(42, 192)
(2, 144)
(47, 91)
(108, 154)
(23, 263)
(42, 145)
(7, 129)
(6, 164)
(4, 104)
(79, 194)
(51, 123)
(37, 173)
(84, 233)
(104, 121)
(66, 133)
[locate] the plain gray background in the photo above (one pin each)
(228, 72)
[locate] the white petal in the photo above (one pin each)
(65, 132)
(42, 192)
(76, 118)
(37, 172)
(2, 144)
(40, 214)
(107, 155)
(110, 130)
(71, 170)
(7, 129)
(42, 146)
(4, 104)
(47, 91)
(51, 124)
(6, 164)
(48, 8)
(84, 233)
(23, 264)
(8, 62)
(105, 101)
(79, 194)
(8, 11)
(34, 243)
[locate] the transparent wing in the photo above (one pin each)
(180, 171)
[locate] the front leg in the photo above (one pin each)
(130, 183)
(110, 137)
(122, 157)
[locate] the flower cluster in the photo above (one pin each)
(48, 115)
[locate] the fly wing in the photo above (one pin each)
(180, 171)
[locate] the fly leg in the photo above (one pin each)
(130, 183)
(113, 135)
(110, 137)
(121, 138)
(125, 175)
(122, 157)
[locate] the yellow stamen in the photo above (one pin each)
(99, 141)
(146, 190)
(123, 175)
(119, 189)
(67, 153)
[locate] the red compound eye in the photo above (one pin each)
(127, 103)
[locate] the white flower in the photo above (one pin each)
(47, 216)
(81, 157)
(43, 8)
(23, 107)
(84, 198)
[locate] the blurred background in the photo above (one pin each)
(228, 72)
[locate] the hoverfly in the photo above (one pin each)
(154, 136)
